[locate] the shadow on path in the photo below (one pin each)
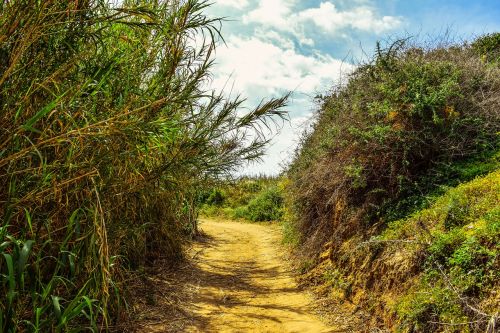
(235, 281)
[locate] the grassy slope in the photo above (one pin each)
(459, 239)
(439, 265)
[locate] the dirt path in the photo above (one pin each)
(239, 283)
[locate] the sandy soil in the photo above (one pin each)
(236, 282)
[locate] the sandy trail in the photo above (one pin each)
(239, 283)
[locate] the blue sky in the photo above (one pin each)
(275, 46)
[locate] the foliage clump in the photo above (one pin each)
(488, 47)
(266, 206)
(256, 199)
(394, 131)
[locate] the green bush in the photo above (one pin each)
(266, 206)
(488, 46)
(216, 198)
(391, 136)
(240, 212)
(421, 312)
(249, 198)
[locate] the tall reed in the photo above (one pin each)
(108, 131)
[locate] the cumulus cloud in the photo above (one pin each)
(329, 19)
(272, 13)
(262, 68)
(273, 37)
(280, 15)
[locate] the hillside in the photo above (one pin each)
(436, 268)
(384, 201)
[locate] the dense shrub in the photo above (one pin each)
(266, 206)
(369, 189)
(393, 131)
(249, 198)
(488, 47)
(215, 198)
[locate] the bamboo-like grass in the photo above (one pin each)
(108, 130)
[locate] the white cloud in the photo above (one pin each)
(275, 38)
(271, 13)
(261, 68)
(328, 18)
(280, 14)
(238, 4)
